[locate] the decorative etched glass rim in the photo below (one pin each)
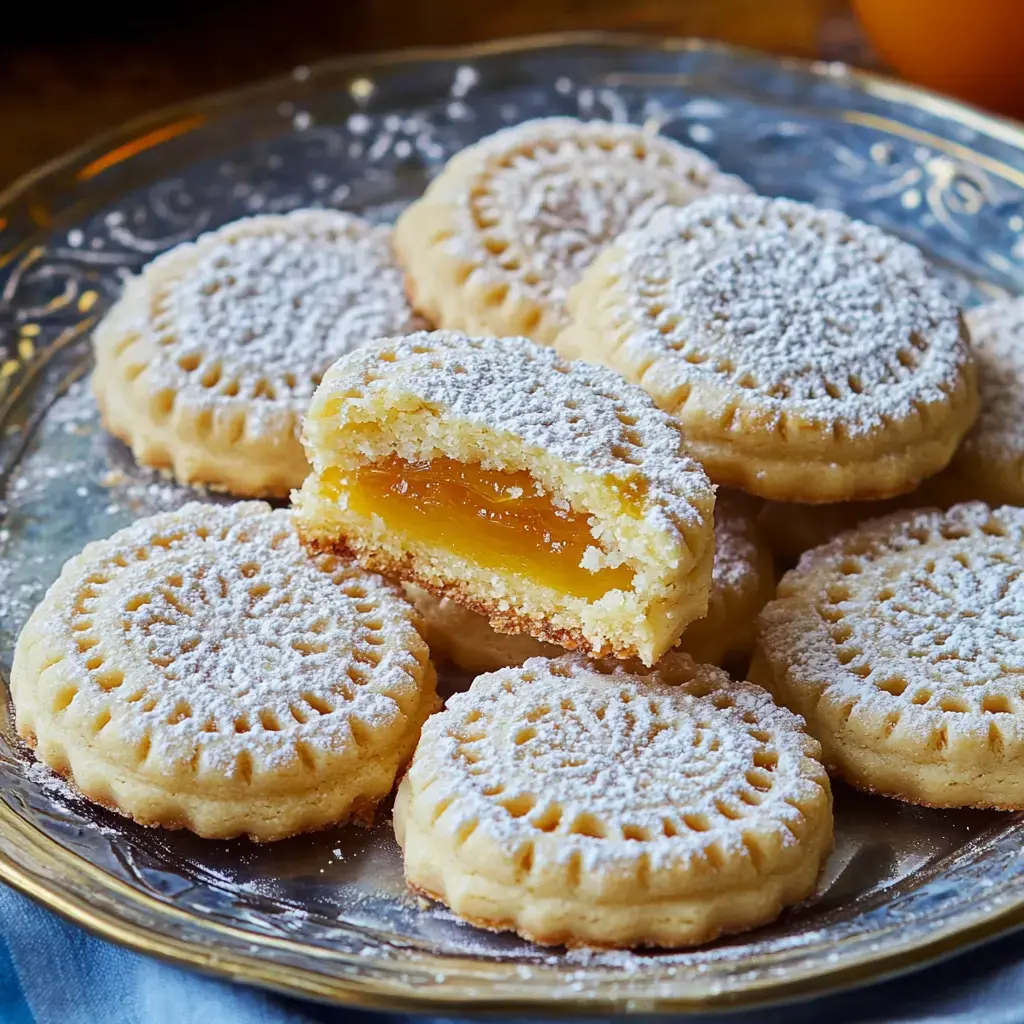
(64, 189)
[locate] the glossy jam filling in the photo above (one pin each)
(498, 520)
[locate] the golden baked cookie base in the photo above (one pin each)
(199, 450)
(353, 800)
(574, 922)
(815, 478)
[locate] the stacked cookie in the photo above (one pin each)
(620, 328)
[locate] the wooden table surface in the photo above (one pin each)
(65, 77)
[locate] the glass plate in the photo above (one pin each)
(327, 916)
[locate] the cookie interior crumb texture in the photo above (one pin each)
(553, 499)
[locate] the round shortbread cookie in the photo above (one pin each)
(200, 670)
(901, 643)
(809, 357)
(207, 363)
(989, 464)
(742, 581)
(509, 225)
(593, 803)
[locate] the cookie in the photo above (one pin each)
(809, 357)
(207, 363)
(742, 580)
(509, 225)
(592, 803)
(989, 464)
(200, 670)
(901, 643)
(555, 500)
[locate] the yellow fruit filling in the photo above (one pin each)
(496, 519)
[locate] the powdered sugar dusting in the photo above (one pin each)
(803, 311)
(547, 195)
(921, 613)
(51, 783)
(588, 759)
(210, 631)
(258, 310)
(585, 415)
(997, 333)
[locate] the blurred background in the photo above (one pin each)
(67, 73)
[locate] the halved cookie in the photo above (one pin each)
(200, 670)
(742, 580)
(579, 802)
(207, 363)
(509, 225)
(556, 500)
(809, 357)
(901, 643)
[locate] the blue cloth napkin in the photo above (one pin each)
(52, 972)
